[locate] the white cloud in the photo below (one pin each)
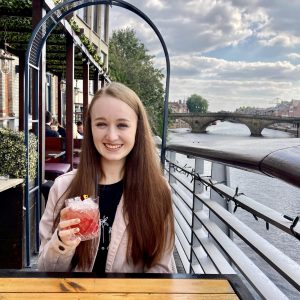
(156, 4)
(293, 56)
(282, 39)
(233, 52)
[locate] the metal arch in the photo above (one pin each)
(41, 26)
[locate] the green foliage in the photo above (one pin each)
(15, 5)
(196, 103)
(130, 64)
(86, 42)
(12, 154)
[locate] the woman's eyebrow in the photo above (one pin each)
(118, 120)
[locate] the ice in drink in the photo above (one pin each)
(87, 211)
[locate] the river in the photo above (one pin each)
(271, 192)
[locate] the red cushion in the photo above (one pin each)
(58, 168)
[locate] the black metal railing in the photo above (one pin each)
(204, 206)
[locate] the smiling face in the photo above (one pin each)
(114, 125)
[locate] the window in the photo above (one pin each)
(96, 27)
(104, 19)
(103, 57)
(83, 14)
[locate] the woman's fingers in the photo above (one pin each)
(67, 229)
(68, 232)
(67, 223)
(68, 236)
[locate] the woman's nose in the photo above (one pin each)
(111, 133)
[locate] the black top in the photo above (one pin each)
(49, 132)
(109, 198)
(61, 131)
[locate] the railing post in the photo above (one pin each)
(197, 205)
(171, 166)
(219, 173)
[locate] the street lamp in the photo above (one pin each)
(6, 59)
(62, 83)
(76, 88)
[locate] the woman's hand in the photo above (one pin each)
(65, 233)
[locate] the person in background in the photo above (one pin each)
(56, 126)
(61, 130)
(48, 131)
(79, 132)
(119, 164)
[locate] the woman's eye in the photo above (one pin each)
(122, 125)
(101, 125)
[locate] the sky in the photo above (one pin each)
(231, 52)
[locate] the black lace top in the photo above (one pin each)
(109, 198)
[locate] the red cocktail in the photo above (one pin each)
(88, 212)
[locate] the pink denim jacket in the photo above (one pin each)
(55, 256)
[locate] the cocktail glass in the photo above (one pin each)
(87, 211)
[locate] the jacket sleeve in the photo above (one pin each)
(165, 265)
(54, 256)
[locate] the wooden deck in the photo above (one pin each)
(37, 286)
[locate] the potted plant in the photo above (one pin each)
(12, 162)
(13, 152)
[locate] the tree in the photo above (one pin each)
(196, 103)
(130, 64)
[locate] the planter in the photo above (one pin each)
(11, 224)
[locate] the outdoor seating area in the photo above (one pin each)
(55, 156)
(147, 211)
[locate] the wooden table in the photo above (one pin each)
(6, 184)
(43, 286)
(49, 154)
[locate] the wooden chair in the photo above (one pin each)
(55, 166)
(55, 144)
(52, 170)
(77, 144)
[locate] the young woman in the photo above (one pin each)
(119, 163)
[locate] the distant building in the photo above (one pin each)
(294, 110)
(178, 107)
(93, 23)
(283, 109)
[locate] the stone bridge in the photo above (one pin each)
(256, 123)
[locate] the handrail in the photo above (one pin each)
(204, 224)
(278, 158)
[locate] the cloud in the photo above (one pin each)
(293, 56)
(231, 84)
(233, 52)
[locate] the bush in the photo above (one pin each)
(12, 154)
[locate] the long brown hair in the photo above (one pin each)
(147, 197)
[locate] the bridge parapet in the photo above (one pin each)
(256, 123)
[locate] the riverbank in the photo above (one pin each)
(292, 130)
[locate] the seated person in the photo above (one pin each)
(78, 134)
(61, 130)
(57, 127)
(48, 131)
